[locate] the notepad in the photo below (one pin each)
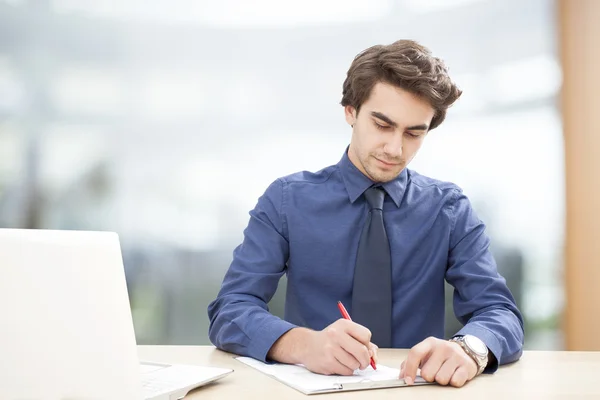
(307, 382)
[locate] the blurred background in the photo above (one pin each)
(165, 121)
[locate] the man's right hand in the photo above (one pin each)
(340, 348)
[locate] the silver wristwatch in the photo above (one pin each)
(475, 348)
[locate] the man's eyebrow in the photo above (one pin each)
(387, 120)
(422, 127)
(384, 118)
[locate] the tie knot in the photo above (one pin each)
(375, 196)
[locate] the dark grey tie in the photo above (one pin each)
(372, 292)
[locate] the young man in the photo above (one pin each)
(376, 236)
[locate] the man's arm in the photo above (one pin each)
(239, 318)
(482, 301)
(240, 321)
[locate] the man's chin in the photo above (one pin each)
(384, 176)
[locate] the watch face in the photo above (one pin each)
(476, 345)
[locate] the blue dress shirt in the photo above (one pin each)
(308, 225)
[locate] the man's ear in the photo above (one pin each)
(350, 114)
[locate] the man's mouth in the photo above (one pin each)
(388, 163)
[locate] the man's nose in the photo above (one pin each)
(393, 147)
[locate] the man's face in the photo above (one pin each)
(388, 131)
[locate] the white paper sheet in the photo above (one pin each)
(300, 378)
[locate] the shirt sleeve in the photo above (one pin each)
(482, 301)
(240, 321)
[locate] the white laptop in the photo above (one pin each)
(65, 323)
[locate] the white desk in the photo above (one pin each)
(538, 375)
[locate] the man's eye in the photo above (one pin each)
(382, 127)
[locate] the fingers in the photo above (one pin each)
(346, 364)
(332, 359)
(438, 356)
(460, 377)
(358, 332)
(358, 351)
(416, 356)
(445, 373)
(373, 352)
(347, 358)
(441, 361)
(335, 363)
(350, 352)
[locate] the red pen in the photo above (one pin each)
(347, 316)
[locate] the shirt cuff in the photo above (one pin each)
(490, 340)
(266, 335)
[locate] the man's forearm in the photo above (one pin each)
(242, 327)
(290, 347)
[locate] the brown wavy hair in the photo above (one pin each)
(407, 65)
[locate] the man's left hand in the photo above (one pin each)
(440, 361)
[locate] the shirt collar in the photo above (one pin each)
(356, 182)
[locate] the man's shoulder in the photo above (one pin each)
(427, 183)
(310, 178)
